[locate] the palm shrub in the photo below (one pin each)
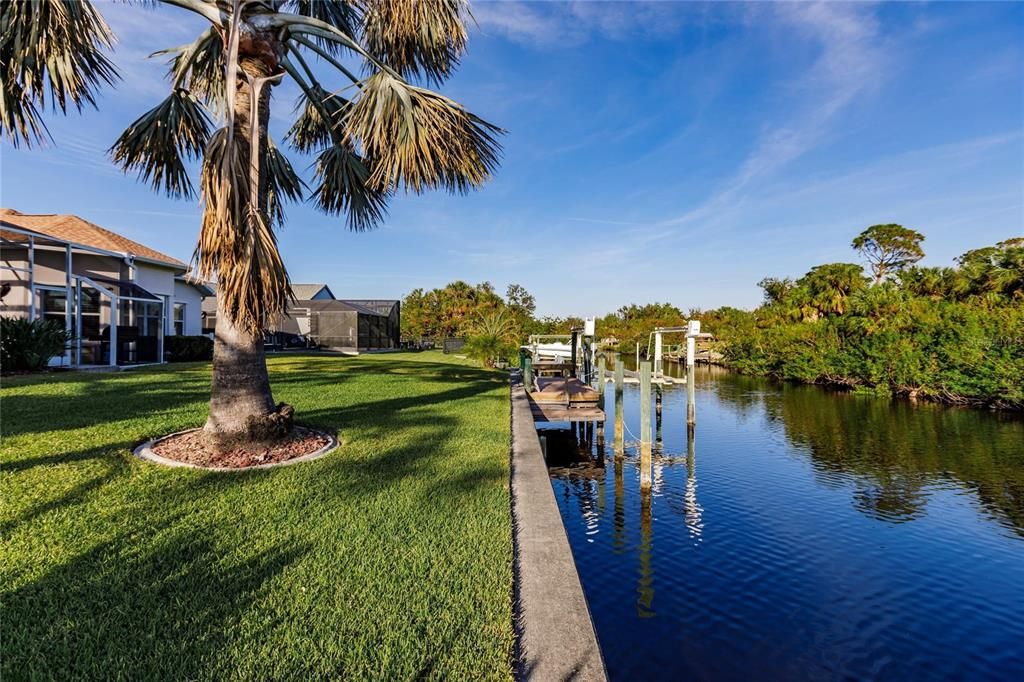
(28, 346)
(372, 129)
(491, 336)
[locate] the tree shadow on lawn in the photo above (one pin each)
(122, 396)
(114, 467)
(163, 599)
(103, 402)
(164, 612)
(322, 374)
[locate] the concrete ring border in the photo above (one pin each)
(145, 452)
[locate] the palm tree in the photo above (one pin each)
(492, 335)
(830, 285)
(376, 136)
(933, 282)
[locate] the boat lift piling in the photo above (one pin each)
(645, 424)
(691, 398)
(620, 436)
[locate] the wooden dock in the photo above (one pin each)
(560, 413)
(564, 399)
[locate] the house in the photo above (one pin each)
(326, 322)
(312, 292)
(391, 309)
(118, 298)
(301, 292)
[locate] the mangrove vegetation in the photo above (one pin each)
(895, 327)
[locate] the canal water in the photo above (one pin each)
(800, 534)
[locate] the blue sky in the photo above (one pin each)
(655, 152)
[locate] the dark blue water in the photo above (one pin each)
(802, 534)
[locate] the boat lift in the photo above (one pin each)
(692, 331)
(556, 373)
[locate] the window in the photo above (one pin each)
(90, 313)
(148, 317)
(143, 316)
(179, 319)
(53, 305)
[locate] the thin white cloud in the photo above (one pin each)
(140, 32)
(570, 24)
(851, 62)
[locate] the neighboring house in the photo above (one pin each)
(312, 292)
(324, 322)
(392, 329)
(64, 268)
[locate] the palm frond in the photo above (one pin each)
(312, 131)
(420, 139)
(50, 48)
(20, 118)
(236, 244)
(344, 188)
(199, 67)
(158, 143)
(282, 183)
(344, 15)
(419, 37)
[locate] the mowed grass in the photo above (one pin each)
(391, 558)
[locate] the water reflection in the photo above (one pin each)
(898, 453)
(829, 535)
(692, 509)
(645, 585)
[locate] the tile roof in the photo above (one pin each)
(71, 228)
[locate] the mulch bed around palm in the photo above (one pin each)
(189, 447)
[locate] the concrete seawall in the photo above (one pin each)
(555, 638)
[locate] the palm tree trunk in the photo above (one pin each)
(242, 410)
(240, 397)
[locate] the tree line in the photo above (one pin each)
(952, 334)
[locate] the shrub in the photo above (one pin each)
(492, 335)
(29, 345)
(188, 348)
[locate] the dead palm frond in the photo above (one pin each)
(236, 244)
(49, 49)
(420, 139)
(158, 143)
(419, 38)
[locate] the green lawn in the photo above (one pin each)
(390, 558)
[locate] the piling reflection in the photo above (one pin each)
(694, 578)
(692, 511)
(645, 584)
(619, 533)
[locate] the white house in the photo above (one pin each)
(62, 267)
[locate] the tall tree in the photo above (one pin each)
(889, 248)
(776, 289)
(389, 134)
(522, 305)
